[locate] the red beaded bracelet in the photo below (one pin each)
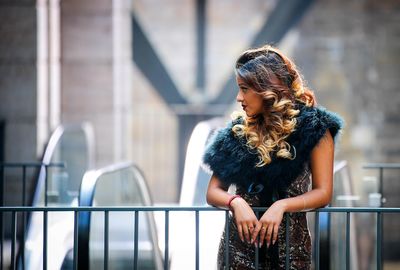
(231, 199)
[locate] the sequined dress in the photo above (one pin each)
(242, 255)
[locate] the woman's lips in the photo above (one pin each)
(244, 107)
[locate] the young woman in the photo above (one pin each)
(279, 154)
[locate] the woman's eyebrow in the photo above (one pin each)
(242, 85)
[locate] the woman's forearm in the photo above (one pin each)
(218, 197)
(312, 199)
(322, 179)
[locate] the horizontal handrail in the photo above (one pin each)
(382, 166)
(32, 164)
(184, 208)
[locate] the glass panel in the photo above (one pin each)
(63, 183)
(121, 188)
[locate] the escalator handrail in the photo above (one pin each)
(86, 196)
(91, 177)
(50, 148)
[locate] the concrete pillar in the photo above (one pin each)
(87, 70)
(18, 89)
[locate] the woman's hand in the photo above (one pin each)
(268, 224)
(246, 220)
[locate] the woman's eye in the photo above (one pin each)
(244, 89)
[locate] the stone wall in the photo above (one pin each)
(18, 90)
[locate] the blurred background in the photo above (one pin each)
(145, 72)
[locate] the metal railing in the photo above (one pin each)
(381, 167)
(167, 210)
(18, 217)
(24, 166)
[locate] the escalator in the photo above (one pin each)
(77, 183)
(119, 185)
(57, 186)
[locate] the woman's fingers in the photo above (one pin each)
(266, 232)
(275, 234)
(269, 234)
(255, 232)
(247, 230)
(240, 231)
(263, 232)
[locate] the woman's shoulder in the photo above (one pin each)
(317, 119)
(228, 157)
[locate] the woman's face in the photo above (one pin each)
(251, 101)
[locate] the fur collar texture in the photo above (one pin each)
(233, 162)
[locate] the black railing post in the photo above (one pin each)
(136, 243)
(166, 251)
(316, 241)
(287, 261)
(197, 239)
(14, 238)
(227, 239)
(348, 240)
(379, 241)
(75, 260)
(106, 239)
(24, 214)
(45, 240)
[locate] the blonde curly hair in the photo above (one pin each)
(275, 77)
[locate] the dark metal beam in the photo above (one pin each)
(2, 140)
(201, 40)
(151, 66)
(286, 14)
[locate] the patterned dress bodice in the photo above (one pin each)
(242, 255)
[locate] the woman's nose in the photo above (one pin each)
(239, 97)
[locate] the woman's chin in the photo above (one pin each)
(248, 114)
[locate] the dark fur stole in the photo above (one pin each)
(233, 162)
